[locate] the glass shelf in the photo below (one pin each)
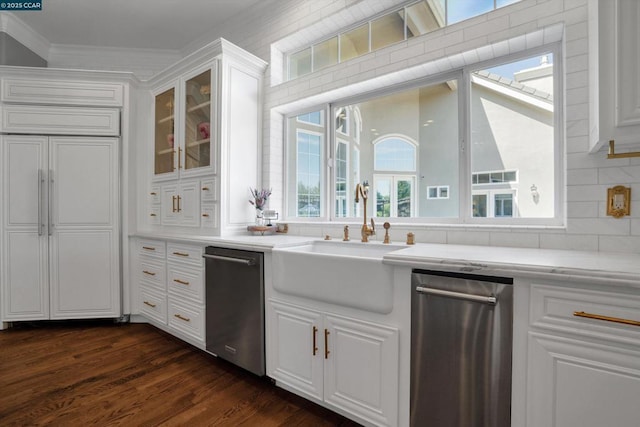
(164, 132)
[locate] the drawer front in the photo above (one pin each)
(153, 304)
(152, 273)
(186, 254)
(556, 308)
(186, 318)
(209, 216)
(154, 196)
(208, 190)
(186, 282)
(152, 248)
(154, 215)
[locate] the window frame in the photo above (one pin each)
(465, 191)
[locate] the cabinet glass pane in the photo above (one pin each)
(164, 152)
(197, 137)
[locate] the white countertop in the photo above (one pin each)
(614, 268)
(565, 264)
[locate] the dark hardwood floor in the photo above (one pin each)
(101, 374)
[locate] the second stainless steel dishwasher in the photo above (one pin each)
(235, 307)
(461, 339)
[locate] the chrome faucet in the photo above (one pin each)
(362, 191)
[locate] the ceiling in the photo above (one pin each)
(146, 24)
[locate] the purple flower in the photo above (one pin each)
(259, 197)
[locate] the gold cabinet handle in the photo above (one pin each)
(205, 215)
(180, 254)
(315, 340)
(186, 319)
(606, 318)
(326, 344)
(149, 273)
(149, 248)
(152, 214)
(179, 158)
(149, 304)
(153, 193)
(173, 203)
(205, 188)
(179, 199)
(173, 165)
(182, 282)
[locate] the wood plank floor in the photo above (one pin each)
(91, 373)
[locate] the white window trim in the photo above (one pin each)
(322, 174)
(491, 198)
(347, 178)
(393, 196)
(438, 189)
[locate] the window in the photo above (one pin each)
(408, 143)
(396, 25)
(305, 166)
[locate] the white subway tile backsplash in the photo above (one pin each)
(601, 226)
(582, 176)
(469, 237)
(514, 240)
(619, 175)
(626, 244)
(569, 242)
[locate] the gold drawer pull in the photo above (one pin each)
(205, 188)
(153, 193)
(186, 319)
(205, 215)
(182, 282)
(153, 214)
(326, 344)
(606, 318)
(149, 248)
(180, 254)
(149, 273)
(149, 304)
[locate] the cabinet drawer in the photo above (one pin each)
(154, 215)
(153, 248)
(154, 196)
(153, 304)
(152, 273)
(208, 190)
(186, 282)
(209, 217)
(555, 308)
(186, 318)
(185, 254)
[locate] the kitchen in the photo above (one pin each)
(256, 100)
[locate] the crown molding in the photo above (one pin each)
(27, 36)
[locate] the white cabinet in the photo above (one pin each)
(347, 363)
(614, 35)
(171, 288)
(206, 121)
(181, 204)
(582, 371)
(60, 228)
(54, 120)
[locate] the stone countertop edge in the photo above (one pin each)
(567, 265)
(244, 242)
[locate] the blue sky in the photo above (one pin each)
(459, 10)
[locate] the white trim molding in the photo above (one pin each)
(27, 36)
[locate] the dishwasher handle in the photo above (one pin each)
(491, 300)
(248, 262)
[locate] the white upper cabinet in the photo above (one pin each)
(206, 121)
(52, 92)
(615, 67)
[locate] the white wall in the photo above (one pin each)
(588, 175)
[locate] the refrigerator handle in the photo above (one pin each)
(50, 207)
(40, 223)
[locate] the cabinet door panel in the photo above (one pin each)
(25, 293)
(84, 275)
(84, 181)
(169, 205)
(574, 383)
(290, 344)
(361, 371)
(189, 203)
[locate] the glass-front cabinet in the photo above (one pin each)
(184, 134)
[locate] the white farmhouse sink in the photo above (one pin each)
(346, 273)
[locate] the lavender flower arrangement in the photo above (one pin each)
(259, 197)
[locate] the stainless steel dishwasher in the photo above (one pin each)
(235, 307)
(461, 335)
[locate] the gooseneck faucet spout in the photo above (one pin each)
(362, 191)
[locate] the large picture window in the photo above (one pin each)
(427, 165)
